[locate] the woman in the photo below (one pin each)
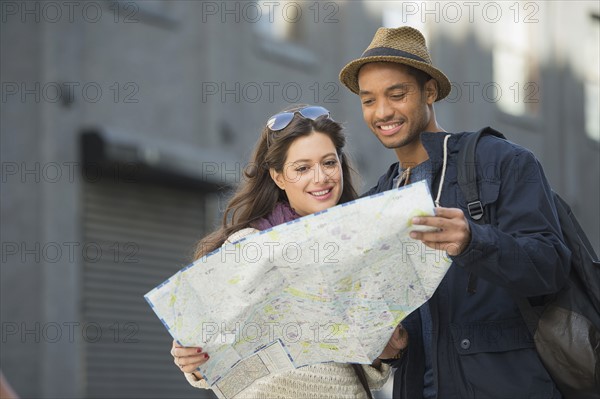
(298, 168)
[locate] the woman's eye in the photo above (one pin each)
(301, 169)
(331, 163)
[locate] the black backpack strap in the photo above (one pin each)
(467, 177)
(362, 377)
(468, 185)
(467, 181)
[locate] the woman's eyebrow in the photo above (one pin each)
(308, 160)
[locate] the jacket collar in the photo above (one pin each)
(434, 145)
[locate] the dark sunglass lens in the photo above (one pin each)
(314, 112)
(280, 121)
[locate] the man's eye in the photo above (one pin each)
(398, 96)
(367, 102)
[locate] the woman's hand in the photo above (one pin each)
(396, 345)
(188, 359)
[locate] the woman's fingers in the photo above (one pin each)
(182, 351)
(399, 339)
(191, 363)
(402, 337)
(188, 359)
(195, 361)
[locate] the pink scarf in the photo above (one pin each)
(280, 214)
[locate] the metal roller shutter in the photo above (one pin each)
(136, 235)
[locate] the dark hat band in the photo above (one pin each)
(388, 51)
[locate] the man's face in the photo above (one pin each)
(394, 107)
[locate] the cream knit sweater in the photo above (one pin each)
(322, 381)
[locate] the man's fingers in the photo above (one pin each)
(441, 215)
(435, 236)
(448, 212)
(432, 221)
(452, 235)
(440, 222)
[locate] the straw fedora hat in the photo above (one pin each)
(404, 45)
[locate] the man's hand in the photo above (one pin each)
(453, 234)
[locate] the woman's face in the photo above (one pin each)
(312, 174)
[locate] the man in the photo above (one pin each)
(469, 340)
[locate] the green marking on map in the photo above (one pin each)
(331, 347)
(235, 280)
(341, 329)
(297, 293)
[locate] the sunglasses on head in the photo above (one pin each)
(281, 121)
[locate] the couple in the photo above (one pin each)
(444, 349)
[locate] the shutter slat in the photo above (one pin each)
(129, 358)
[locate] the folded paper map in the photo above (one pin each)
(327, 287)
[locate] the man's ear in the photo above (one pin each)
(431, 91)
(277, 178)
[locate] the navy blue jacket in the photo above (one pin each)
(481, 346)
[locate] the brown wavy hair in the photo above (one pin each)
(258, 194)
